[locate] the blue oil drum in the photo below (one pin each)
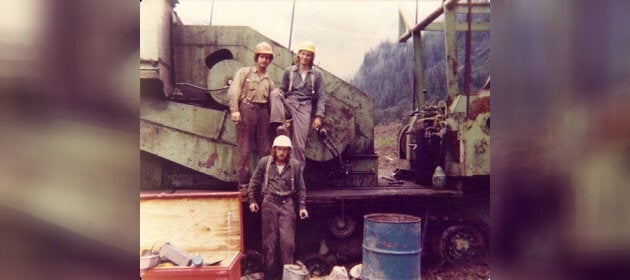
(391, 247)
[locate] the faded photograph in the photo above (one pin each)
(332, 139)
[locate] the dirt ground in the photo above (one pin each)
(385, 145)
(434, 270)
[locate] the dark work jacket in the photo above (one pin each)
(279, 184)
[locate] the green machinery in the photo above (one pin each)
(455, 134)
(185, 71)
(187, 140)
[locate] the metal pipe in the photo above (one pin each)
(416, 19)
(429, 19)
(467, 59)
(323, 136)
(418, 73)
(211, 12)
(291, 31)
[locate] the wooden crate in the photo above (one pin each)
(208, 224)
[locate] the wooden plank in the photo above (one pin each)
(204, 224)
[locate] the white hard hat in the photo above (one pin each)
(282, 141)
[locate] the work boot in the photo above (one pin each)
(282, 130)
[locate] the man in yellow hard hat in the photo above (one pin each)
(248, 99)
(279, 178)
(301, 91)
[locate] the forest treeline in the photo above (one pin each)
(386, 73)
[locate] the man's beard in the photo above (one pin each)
(287, 156)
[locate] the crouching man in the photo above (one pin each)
(279, 178)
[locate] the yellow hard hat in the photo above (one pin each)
(307, 46)
(282, 141)
(263, 48)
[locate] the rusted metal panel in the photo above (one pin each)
(350, 101)
(476, 146)
(192, 136)
(478, 106)
(473, 135)
(193, 151)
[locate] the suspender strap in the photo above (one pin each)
(292, 175)
(243, 92)
(266, 180)
(312, 83)
(293, 69)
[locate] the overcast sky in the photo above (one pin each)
(342, 31)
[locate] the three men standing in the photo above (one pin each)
(254, 105)
(249, 96)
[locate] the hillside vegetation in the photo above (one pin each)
(386, 73)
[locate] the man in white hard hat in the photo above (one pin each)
(249, 106)
(301, 91)
(279, 178)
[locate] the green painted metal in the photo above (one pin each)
(349, 111)
(473, 134)
(450, 44)
(155, 39)
(191, 136)
(204, 139)
(471, 156)
(419, 86)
